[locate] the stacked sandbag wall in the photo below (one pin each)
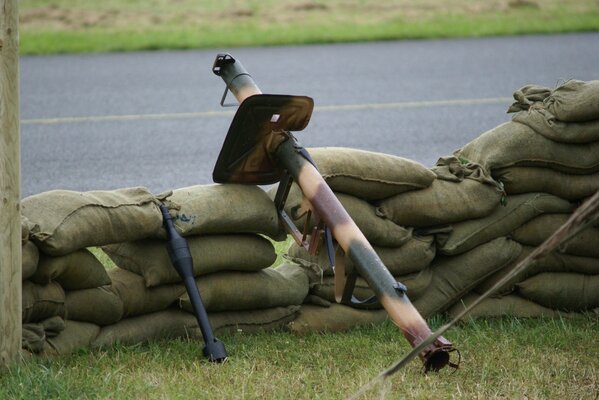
(70, 300)
(549, 150)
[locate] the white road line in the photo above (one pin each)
(207, 114)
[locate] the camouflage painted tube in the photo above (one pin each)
(287, 155)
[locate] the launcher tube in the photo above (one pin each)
(344, 229)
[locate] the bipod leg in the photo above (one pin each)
(178, 251)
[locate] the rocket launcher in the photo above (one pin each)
(260, 149)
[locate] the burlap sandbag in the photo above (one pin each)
(77, 270)
(29, 259)
(562, 290)
(517, 180)
(76, 335)
(35, 334)
(234, 291)
(546, 124)
(73, 220)
(453, 277)
(378, 231)
(574, 101)
(149, 258)
(528, 95)
(514, 144)
(231, 208)
(369, 175)
(504, 220)
(137, 297)
(42, 302)
(416, 283)
(27, 227)
(444, 202)
(175, 323)
(538, 229)
(101, 306)
(413, 256)
(335, 318)
(512, 305)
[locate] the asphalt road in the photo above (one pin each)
(107, 121)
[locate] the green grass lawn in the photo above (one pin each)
(59, 26)
(501, 359)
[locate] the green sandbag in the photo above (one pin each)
(504, 220)
(231, 208)
(175, 323)
(335, 318)
(139, 299)
(514, 144)
(29, 259)
(517, 180)
(77, 270)
(71, 220)
(562, 290)
(455, 276)
(512, 305)
(42, 302)
(76, 336)
(574, 101)
(378, 231)
(528, 95)
(416, 283)
(100, 306)
(369, 175)
(35, 334)
(444, 202)
(233, 291)
(149, 258)
(413, 256)
(546, 124)
(554, 262)
(537, 230)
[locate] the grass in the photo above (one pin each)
(501, 359)
(63, 26)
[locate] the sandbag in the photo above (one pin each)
(29, 259)
(369, 175)
(512, 305)
(505, 219)
(175, 323)
(231, 208)
(233, 291)
(528, 95)
(77, 270)
(517, 180)
(335, 318)
(413, 256)
(553, 262)
(562, 290)
(27, 227)
(416, 283)
(514, 144)
(378, 231)
(149, 258)
(100, 306)
(76, 335)
(71, 220)
(574, 101)
(538, 229)
(453, 277)
(444, 202)
(42, 302)
(139, 299)
(34, 335)
(544, 123)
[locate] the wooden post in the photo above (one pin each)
(10, 191)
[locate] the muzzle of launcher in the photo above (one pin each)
(259, 149)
